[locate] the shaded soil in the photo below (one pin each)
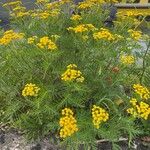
(15, 141)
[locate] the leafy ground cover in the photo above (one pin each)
(67, 75)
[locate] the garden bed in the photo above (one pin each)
(69, 81)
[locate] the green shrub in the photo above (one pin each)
(69, 76)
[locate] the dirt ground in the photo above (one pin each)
(13, 140)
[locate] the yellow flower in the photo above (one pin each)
(99, 115)
(32, 39)
(85, 5)
(133, 101)
(46, 43)
(53, 5)
(67, 123)
(76, 17)
(72, 74)
(55, 12)
(142, 91)
(79, 29)
(140, 110)
(9, 36)
(136, 35)
(51, 45)
(103, 34)
(19, 8)
(127, 59)
(67, 112)
(12, 3)
(65, 1)
(44, 40)
(30, 90)
(19, 14)
(44, 15)
(82, 28)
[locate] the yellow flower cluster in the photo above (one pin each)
(45, 14)
(127, 59)
(13, 3)
(140, 110)
(78, 29)
(132, 13)
(142, 91)
(103, 34)
(85, 5)
(67, 123)
(30, 90)
(52, 5)
(64, 1)
(47, 9)
(136, 35)
(16, 9)
(89, 3)
(46, 43)
(55, 4)
(9, 36)
(32, 39)
(72, 74)
(99, 115)
(76, 17)
(82, 28)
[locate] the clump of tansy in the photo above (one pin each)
(127, 59)
(85, 5)
(46, 43)
(136, 35)
(99, 116)
(82, 28)
(30, 90)
(142, 91)
(72, 74)
(76, 17)
(104, 34)
(16, 9)
(9, 36)
(139, 110)
(67, 123)
(11, 4)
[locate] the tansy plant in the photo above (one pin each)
(69, 76)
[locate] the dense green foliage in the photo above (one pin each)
(108, 82)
